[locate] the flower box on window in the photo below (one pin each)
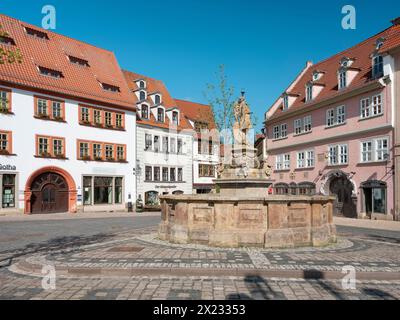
(4, 152)
(45, 155)
(109, 125)
(60, 156)
(58, 118)
(43, 116)
(111, 159)
(98, 158)
(85, 122)
(97, 124)
(86, 158)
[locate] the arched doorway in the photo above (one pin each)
(341, 187)
(50, 190)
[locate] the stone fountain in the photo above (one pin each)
(243, 213)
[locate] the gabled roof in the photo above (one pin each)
(78, 82)
(360, 53)
(392, 38)
(168, 102)
(197, 112)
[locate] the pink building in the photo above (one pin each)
(332, 131)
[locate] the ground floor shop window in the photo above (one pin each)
(374, 196)
(102, 190)
(8, 190)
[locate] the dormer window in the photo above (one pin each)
(110, 87)
(142, 95)
(342, 78)
(142, 84)
(175, 117)
(145, 112)
(78, 61)
(160, 115)
(50, 72)
(377, 66)
(7, 40)
(157, 99)
(379, 43)
(309, 92)
(36, 33)
(285, 102)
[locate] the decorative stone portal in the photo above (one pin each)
(243, 213)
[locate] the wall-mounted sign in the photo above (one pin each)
(165, 187)
(7, 167)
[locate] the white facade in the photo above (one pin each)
(165, 161)
(23, 163)
(202, 183)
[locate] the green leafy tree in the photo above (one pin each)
(220, 97)
(8, 56)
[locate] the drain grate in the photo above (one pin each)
(126, 249)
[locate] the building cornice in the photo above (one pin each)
(326, 102)
(332, 137)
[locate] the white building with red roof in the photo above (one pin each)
(332, 130)
(67, 125)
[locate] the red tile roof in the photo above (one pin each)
(78, 82)
(152, 86)
(392, 38)
(360, 53)
(197, 112)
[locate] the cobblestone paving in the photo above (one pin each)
(140, 249)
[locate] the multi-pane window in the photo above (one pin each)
(375, 150)
(85, 115)
(103, 187)
(145, 112)
(280, 131)
(305, 159)
(297, 126)
(97, 151)
(276, 132)
(180, 174)
(172, 174)
(165, 145)
(307, 124)
(57, 110)
(285, 102)
(148, 173)
(42, 107)
(43, 146)
(330, 117)
(118, 120)
(101, 118)
(8, 191)
(58, 148)
(118, 190)
(282, 162)
(83, 150)
(97, 117)
(342, 79)
(160, 115)
(5, 146)
(157, 99)
(156, 143)
(142, 84)
(338, 154)
(382, 151)
(156, 173)
(206, 170)
(173, 145)
(336, 116)
(366, 151)
(340, 114)
(108, 119)
(142, 95)
(148, 140)
(371, 107)
(376, 106)
(109, 150)
(165, 174)
(4, 101)
(377, 63)
(180, 146)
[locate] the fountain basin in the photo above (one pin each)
(242, 221)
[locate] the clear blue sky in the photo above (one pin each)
(263, 44)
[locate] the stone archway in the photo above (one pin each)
(339, 184)
(50, 190)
